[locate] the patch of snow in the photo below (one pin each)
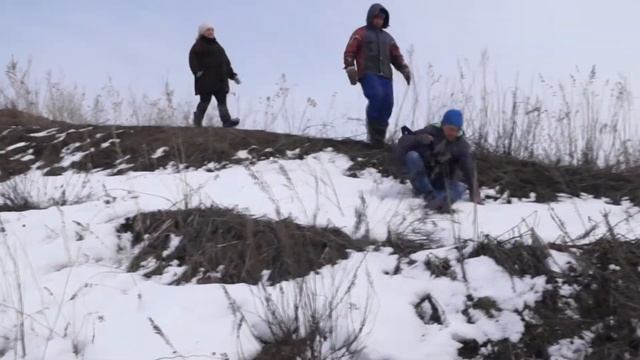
(123, 160)
(16, 146)
(242, 155)
(160, 152)
(35, 166)
(213, 166)
(60, 137)
(568, 290)
(576, 348)
(7, 131)
(109, 143)
(293, 153)
(174, 241)
(47, 132)
(70, 158)
(526, 215)
(488, 279)
(27, 156)
(560, 261)
(170, 273)
(120, 167)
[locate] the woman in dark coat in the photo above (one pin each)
(212, 71)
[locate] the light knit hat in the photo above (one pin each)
(202, 28)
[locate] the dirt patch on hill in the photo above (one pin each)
(12, 117)
(221, 246)
(28, 141)
(56, 147)
(522, 177)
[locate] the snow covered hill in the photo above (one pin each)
(125, 243)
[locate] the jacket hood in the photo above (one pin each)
(376, 9)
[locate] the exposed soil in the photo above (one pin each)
(523, 177)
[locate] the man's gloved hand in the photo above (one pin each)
(406, 73)
(352, 74)
(406, 131)
(199, 73)
(237, 80)
(425, 138)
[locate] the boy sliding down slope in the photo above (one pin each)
(433, 157)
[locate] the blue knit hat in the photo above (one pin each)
(453, 117)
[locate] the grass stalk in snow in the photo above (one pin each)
(31, 191)
(266, 189)
(13, 290)
(158, 331)
(291, 186)
(308, 318)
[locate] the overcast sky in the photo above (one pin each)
(143, 43)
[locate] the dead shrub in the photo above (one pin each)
(309, 318)
(223, 246)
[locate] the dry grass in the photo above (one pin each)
(607, 285)
(519, 258)
(29, 192)
(583, 120)
(222, 246)
(312, 318)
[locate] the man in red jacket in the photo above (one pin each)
(367, 59)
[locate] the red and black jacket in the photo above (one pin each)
(372, 50)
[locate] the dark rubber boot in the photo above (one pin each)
(438, 202)
(231, 123)
(198, 115)
(197, 120)
(225, 117)
(377, 134)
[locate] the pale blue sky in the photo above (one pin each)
(142, 43)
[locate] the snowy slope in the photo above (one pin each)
(63, 268)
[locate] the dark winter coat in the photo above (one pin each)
(372, 50)
(208, 56)
(442, 158)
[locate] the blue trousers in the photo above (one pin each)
(440, 191)
(379, 92)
